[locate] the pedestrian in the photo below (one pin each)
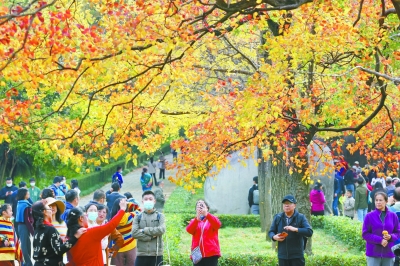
(127, 253)
(48, 248)
(396, 197)
(380, 231)
(5, 192)
(161, 166)
(377, 188)
(337, 193)
(57, 187)
(87, 251)
(317, 200)
(174, 155)
(72, 201)
(14, 199)
(63, 185)
(146, 180)
(379, 179)
(117, 177)
(47, 193)
(160, 198)
(290, 229)
(151, 166)
(34, 191)
(361, 200)
(99, 198)
(8, 252)
(97, 219)
(204, 230)
(253, 197)
(148, 229)
(349, 179)
(389, 186)
(74, 186)
(57, 209)
(349, 205)
(24, 222)
(112, 195)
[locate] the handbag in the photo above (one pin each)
(196, 252)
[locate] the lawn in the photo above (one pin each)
(252, 241)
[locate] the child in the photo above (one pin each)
(7, 247)
(349, 205)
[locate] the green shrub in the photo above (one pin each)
(343, 228)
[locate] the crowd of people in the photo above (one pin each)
(49, 227)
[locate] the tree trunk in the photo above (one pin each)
(264, 185)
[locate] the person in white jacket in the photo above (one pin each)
(151, 167)
(379, 179)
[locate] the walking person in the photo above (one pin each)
(151, 166)
(148, 228)
(253, 197)
(87, 250)
(146, 180)
(161, 166)
(380, 232)
(8, 252)
(117, 177)
(361, 200)
(337, 193)
(204, 230)
(160, 197)
(349, 179)
(24, 221)
(48, 248)
(317, 199)
(6, 192)
(291, 229)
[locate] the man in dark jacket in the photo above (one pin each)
(5, 192)
(253, 203)
(99, 198)
(296, 229)
(72, 201)
(349, 180)
(112, 195)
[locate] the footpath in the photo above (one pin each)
(132, 184)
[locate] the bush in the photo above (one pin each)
(343, 228)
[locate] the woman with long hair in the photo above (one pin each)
(8, 251)
(24, 222)
(48, 248)
(204, 230)
(146, 180)
(317, 199)
(127, 253)
(87, 251)
(151, 165)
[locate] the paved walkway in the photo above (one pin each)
(132, 184)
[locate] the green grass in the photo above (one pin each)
(252, 241)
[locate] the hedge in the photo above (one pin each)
(342, 228)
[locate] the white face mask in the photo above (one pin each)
(62, 182)
(32, 184)
(8, 184)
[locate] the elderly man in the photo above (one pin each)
(291, 229)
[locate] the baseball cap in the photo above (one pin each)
(356, 162)
(289, 198)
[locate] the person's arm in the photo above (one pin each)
(368, 235)
(121, 178)
(323, 200)
(214, 221)
(57, 244)
(118, 239)
(273, 230)
(3, 194)
(137, 232)
(357, 199)
(304, 228)
(28, 220)
(192, 226)
(351, 204)
(156, 230)
(396, 233)
(250, 197)
(97, 233)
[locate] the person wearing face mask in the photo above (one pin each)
(148, 228)
(48, 248)
(87, 251)
(127, 253)
(204, 230)
(56, 187)
(97, 214)
(33, 190)
(6, 192)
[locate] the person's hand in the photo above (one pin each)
(123, 204)
(278, 238)
(204, 211)
(111, 190)
(384, 242)
(387, 237)
(6, 243)
(290, 228)
(8, 193)
(80, 232)
(335, 195)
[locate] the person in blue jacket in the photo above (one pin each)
(117, 177)
(72, 201)
(5, 192)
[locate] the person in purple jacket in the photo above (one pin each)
(317, 200)
(380, 231)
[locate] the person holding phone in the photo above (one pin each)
(204, 230)
(290, 229)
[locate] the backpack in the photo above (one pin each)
(277, 221)
(256, 196)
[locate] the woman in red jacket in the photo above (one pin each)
(204, 230)
(87, 251)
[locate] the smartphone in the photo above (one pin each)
(283, 234)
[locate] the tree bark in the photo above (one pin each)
(264, 185)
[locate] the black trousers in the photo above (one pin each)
(292, 262)
(209, 261)
(318, 213)
(162, 174)
(149, 261)
(155, 179)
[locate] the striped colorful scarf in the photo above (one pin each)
(7, 234)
